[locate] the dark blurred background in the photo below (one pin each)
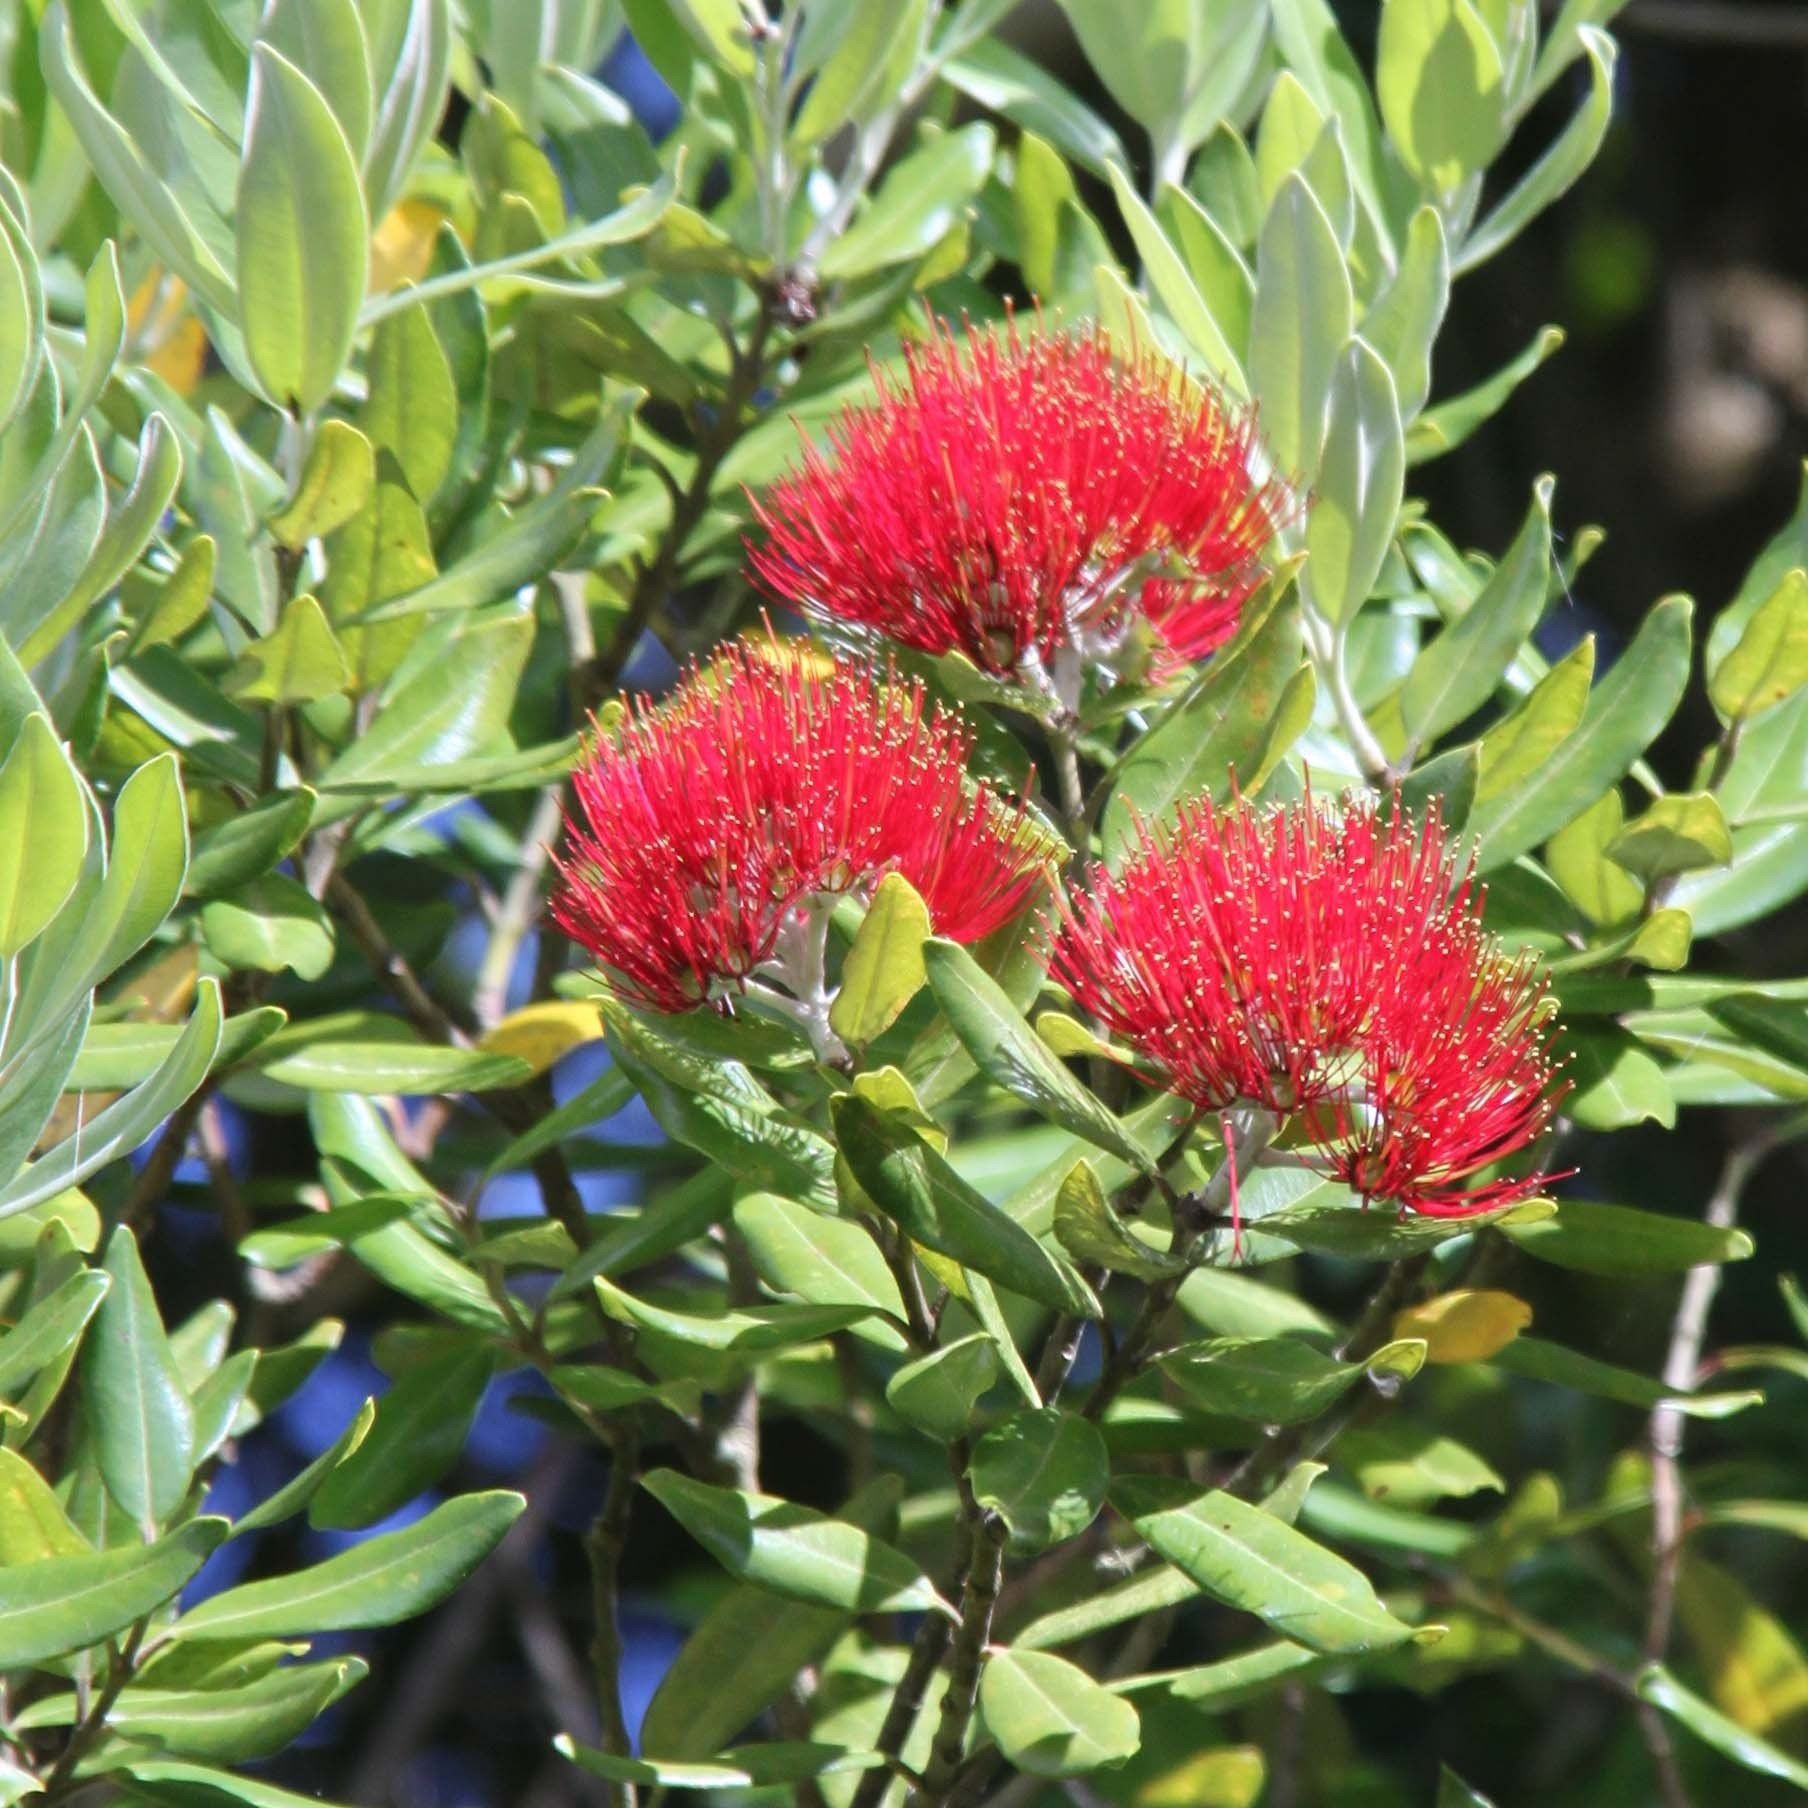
(1676, 418)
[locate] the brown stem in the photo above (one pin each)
(607, 1541)
(966, 1653)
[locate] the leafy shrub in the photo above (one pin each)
(1096, 1115)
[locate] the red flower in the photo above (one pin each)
(711, 823)
(1026, 497)
(1332, 966)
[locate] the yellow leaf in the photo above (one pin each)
(884, 968)
(1469, 1325)
(1756, 1672)
(541, 1034)
(1231, 1776)
(166, 336)
(401, 248)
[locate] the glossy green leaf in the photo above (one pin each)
(175, 603)
(1044, 1472)
(1616, 1084)
(1453, 1792)
(1721, 1731)
(301, 1487)
(1010, 1054)
(792, 1550)
(884, 967)
(744, 1330)
(1220, 726)
(302, 235)
(271, 924)
(248, 843)
(1616, 1239)
(772, 1763)
(1625, 712)
(1679, 832)
(937, 1393)
(1517, 745)
(823, 1259)
(922, 199)
(61, 1604)
(299, 662)
(916, 1187)
(390, 1577)
(325, 41)
(143, 1424)
(336, 481)
(1273, 1380)
(420, 1431)
(33, 1522)
(1249, 1559)
(1361, 479)
(1091, 1232)
(1005, 81)
(1536, 1359)
(49, 1328)
(1051, 1719)
(412, 406)
(749, 1649)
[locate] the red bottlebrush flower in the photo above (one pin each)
(1330, 965)
(709, 824)
(1028, 498)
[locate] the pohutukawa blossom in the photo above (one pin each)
(1029, 500)
(715, 830)
(1332, 967)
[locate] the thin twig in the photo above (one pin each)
(607, 1541)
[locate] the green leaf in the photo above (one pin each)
(823, 1259)
(1219, 727)
(271, 924)
(1453, 1792)
(1723, 1733)
(412, 407)
(1443, 428)
(248, 843)
(33, 1523)
(915, 1187)
(301, 1487)
(1091, 1232)
(1561, 166)
(1441, 87)
(1462, 668)
(1616, 1084)
(884, 967)
(1625, 712)
(749, 1649)
(1361, 480)
(1402, 322)
(311, 1057)
(772, 1763)
(938, 1393)
(792, 1550)
(1535, 1359)
(866, 56)
(1249, 1559)
(390, 1577)
(1517, 745)
(1304, 313)
(143, 1425)
(1051, 1719)
(1044, 1472)
(1147, 59)
(1770, 662)
(458, 706)
(1615, 1239)
(419, 1434)
(922, 199)
(43, 833)
(300, 662)
(48, 1329)
(336, 482)
(230, 1725)
(1576, 857)
(175, 603)
(325, 41)
(302, 236)
(61, 1604)
(1273, 1380)
(1174, 286)
(740, 1330)
(1005, 81)
(1011, 1054)
(1680, 832)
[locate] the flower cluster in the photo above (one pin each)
(1332, 967)
(1028, 502)
(769, 782)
